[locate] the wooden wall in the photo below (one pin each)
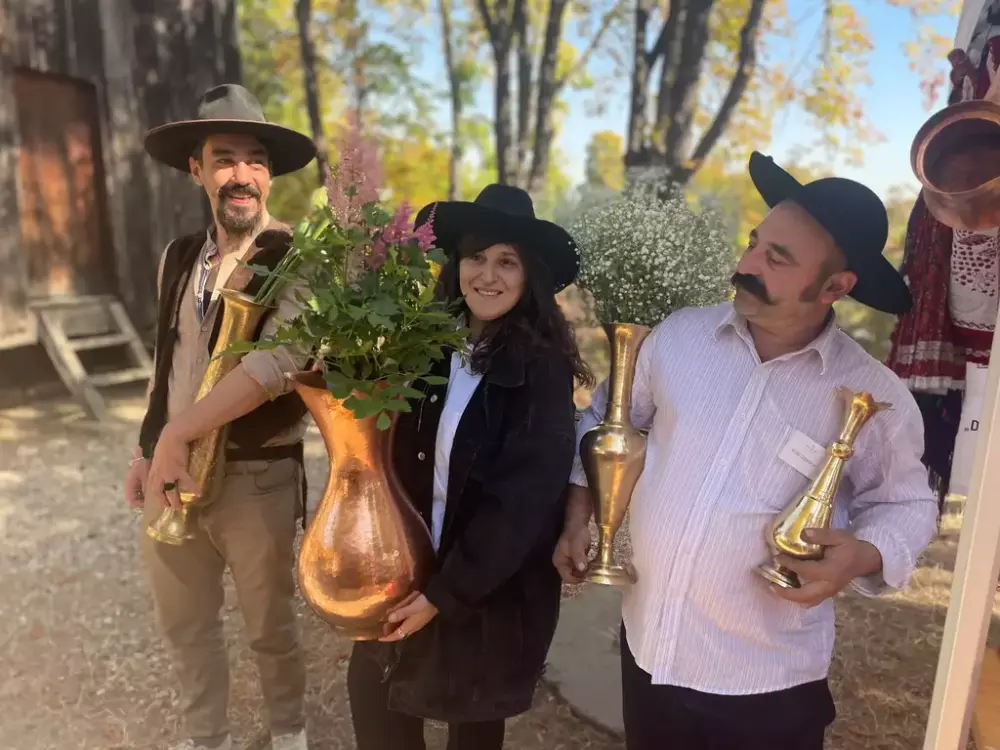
(148, 60)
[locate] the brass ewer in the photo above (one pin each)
(240, 318)
(367, 548)
(613, 455)
(813, 509)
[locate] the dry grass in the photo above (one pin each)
(83, 668)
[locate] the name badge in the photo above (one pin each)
(803, 454)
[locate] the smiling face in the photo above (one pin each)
(235, 172)
(492, 282)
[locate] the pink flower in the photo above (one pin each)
(356, 177)
(378, 255)
(424, 234)
(398, 229)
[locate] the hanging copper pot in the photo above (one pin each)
(367, 548)
(956, 157)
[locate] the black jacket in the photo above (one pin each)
(495, 587)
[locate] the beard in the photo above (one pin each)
(238, 221)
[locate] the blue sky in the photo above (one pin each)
(894, 102)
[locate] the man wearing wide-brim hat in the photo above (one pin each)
(231, 152)
(741, 401)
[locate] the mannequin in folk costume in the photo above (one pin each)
(941, 348)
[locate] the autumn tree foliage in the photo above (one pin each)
(709, 78)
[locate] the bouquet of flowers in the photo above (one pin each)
(645, 255)
(364, 280)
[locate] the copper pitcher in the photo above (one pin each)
(367, 548)
(956, 157)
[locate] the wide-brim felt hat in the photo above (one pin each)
(229, 108)
(505, 213)
(856, 219)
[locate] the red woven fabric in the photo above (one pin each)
(927, 351)
(923, 351)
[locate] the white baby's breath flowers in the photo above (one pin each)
(646, 255)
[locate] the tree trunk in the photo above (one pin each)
(303, 12)
(668, 47)
(638, 120)
(525, 95)
(500, 32)
(680, 48)
(454, 86)
(548, 89)
(686, 80)
(501, 126)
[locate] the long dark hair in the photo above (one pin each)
(534, 324)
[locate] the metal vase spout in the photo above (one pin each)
(613, 455)
(241, 317)
(367, 548)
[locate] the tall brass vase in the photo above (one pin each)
(367, 548)
(240, 318)
(613, 454)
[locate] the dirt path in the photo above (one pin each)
(82, 666)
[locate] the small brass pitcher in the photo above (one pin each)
(240, 318)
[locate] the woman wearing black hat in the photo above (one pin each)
(486, 459)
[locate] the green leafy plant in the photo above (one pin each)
(365, 282)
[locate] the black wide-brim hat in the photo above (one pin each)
(503, 211)
(229, 108)
(856, 219)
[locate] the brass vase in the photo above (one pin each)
(240, 318)
(613, 455)
(367, 548)
(813, 508)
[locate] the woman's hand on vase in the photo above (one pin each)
(413, 613)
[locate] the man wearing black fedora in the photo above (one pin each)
(231, 152)
(740, 403)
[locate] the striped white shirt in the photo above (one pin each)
(699, 616)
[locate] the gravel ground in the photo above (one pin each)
(82, 666)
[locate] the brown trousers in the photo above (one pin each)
(251, 528)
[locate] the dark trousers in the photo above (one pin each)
(376, 727)
(664, 717)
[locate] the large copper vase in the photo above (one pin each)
(614, 454)
(367, 548)
(240, 318)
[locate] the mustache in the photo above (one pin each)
(753, 285)
(238, 191)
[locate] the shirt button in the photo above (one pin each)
(421, 456)
(434, 397)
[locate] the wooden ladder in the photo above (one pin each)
(69, 325)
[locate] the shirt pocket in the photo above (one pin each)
(773, 483)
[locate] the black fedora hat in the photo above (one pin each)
(506, 211)
(856, 219)
(229, 108)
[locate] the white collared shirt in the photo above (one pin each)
(461, 385)
(227, 264)
(699, 616)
